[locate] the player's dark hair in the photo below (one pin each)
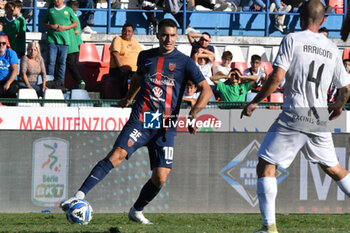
(127, 24)
(255, 57)
(206, 33)
(167, 23)
(227, 54)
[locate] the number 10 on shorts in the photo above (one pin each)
(168, 152)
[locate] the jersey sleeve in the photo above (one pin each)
(284, 56)
(340, 77)
(193, 72)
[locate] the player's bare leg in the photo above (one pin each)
(267, 192)
(148, 192)
(340, 175)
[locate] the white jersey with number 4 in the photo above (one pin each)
(312, 63)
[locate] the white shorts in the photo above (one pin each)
(281, 145)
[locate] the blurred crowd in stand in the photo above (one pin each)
(24, 67)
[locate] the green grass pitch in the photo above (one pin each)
(177, 223)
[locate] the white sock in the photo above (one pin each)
(79, 195)
(344, 184)
(267, 192)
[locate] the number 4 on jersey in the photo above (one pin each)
(316, 80)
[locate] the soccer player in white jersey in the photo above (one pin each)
(309, 62)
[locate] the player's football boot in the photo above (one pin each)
(270, 229)
(137, 216)
(65, 204)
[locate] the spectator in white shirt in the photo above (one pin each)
(256, 70)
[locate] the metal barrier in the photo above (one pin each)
(109, 12)
(114, 103)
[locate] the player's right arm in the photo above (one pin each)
(269, 87)
(336, 108)
(202, 101)
(135, 86)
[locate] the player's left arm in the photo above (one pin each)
(135, 86)
(269, 87)
(202, 101)
(336, 109)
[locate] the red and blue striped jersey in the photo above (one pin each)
(164, 79)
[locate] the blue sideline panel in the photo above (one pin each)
(220, 24)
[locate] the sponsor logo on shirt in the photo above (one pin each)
(157, 91)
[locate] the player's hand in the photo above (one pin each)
(334, 112)
(191, 130)
(248, 109)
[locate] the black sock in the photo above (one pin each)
(97, 174)
(148, 192)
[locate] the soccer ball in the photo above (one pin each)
(79, 211)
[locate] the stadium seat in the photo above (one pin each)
(274, 51)
(93, 68)
(26, 93)
(54, 94)
(258, 50)
(276, 97)
(218, 52)
(239, 65)
(338, 5)
(217, 63)
(106, 55)
(267, 66)
(79, 94)
(185, 49)
(88, 53)
(346, 52)
(236, 52)
(250, 96)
